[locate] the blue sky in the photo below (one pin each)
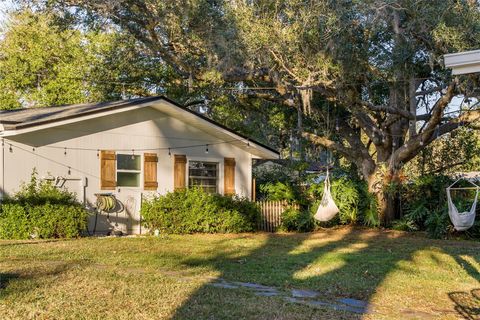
(5, 5)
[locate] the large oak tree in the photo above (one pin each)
(366, 77)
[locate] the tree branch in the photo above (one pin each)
(390, 110)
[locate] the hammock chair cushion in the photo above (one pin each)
(327, 208)
(461, 220)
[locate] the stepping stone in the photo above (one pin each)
(337, 307)
(223, 285)
(255, 286)
(354, 302)
(266, 293)
(297, 293)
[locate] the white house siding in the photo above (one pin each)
(138, 129)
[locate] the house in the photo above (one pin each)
(463, 62)
(130, 149)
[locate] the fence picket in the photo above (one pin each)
(271, 214)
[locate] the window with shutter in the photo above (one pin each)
(150, 171)
(229, 176)
(107, 170)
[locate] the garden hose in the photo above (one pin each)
(105, 203)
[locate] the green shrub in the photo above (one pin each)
(404, 225)
(41, 210)
(58, 220)
(14, 222)
(438, 224)
(425, 204)
(369, 209)
(193, 210)
(423, 197)
(297, 220)
(280, 191)
(352, 198)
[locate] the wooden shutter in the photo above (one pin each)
(179, 171)
(107, 170)
(229, 176)
(150, 171)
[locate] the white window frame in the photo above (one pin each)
(140, 172)
(218, 162)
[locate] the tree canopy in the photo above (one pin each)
(366, 77)
(46, 60)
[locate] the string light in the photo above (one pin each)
(10, 149)
(98, 153)
(69, 171)
(248, 144)
(206, 148)
(421, 143)
(65, 152)
(169, 152)
(133, 154)
(33, 149)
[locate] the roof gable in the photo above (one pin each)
(16, 122)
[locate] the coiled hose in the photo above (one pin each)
(105, 203)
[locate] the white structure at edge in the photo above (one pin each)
(463, 62)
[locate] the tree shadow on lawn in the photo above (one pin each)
(467, 303)
(27, 279)
(356, 262)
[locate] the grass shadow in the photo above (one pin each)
(364, 259)
(467, 304)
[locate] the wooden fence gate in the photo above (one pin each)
(271, 214)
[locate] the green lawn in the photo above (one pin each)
(401, 276)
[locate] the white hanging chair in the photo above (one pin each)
(462, 220)
(327, 208)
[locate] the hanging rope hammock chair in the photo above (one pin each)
(462, 220)
(327, 208)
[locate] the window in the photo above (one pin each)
(129, 169)
(203, 175)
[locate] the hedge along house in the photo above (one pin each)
(131, 149)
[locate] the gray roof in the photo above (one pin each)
(28, 117)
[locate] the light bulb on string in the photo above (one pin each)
(421, 143)
(133, 154)
(98, 153)
(65, 151)
(69, 171)
(248, 144)
(33, 149)
(3, 142)
(169, 152)
(206, 148)
(10, 148)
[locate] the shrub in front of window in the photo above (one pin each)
(194, 210)
(297, 220)
(40, 210)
